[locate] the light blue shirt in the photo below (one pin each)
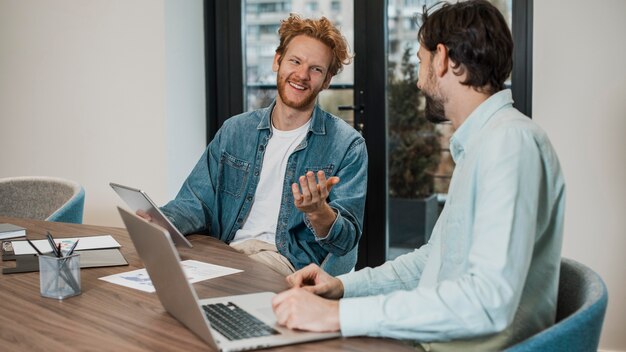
(493, 259)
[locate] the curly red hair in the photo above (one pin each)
(322, 30)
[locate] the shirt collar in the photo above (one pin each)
(463, 136)
(317, 121)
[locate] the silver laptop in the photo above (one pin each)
(139, 200)
(208, 318)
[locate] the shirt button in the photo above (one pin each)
(249, 198)
(239, 221)
(256, 173)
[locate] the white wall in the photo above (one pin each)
(102, 90)
(186, 107)
(579, 97)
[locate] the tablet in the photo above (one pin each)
(137, 199)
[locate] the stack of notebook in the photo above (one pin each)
(95, 251)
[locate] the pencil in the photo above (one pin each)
(32, 245)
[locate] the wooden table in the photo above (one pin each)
(109, 317)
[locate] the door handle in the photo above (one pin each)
(359, 108)
(358, 125)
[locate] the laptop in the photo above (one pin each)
(137, 199)
(231, 323)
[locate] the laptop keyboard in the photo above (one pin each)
(235, 323)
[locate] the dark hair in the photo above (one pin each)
(322, 30)
(477, 38)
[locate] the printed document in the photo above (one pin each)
(194, 270)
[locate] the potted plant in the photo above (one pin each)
(414, 154)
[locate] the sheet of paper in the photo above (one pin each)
(194, 270)
(91, 242)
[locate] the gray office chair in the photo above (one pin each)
(42, 198)
(581, 306)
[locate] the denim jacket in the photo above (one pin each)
(218, 194)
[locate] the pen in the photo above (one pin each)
(71, 249)
(32, 245)
(53, 245)
(64, 271)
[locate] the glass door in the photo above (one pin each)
(419, 162)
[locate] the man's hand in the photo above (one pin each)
(310, 198)
(315, 280)
(144, 215)
(297, 308)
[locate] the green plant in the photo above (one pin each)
(414, 147)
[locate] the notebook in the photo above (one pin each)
(11, 231)
(139, 200)
(156, 250)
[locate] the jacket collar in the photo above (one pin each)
(317, 126)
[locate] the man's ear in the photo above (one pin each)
(442, 60)
(327, 81)
(276, 64)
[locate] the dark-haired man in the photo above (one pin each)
(489, 275)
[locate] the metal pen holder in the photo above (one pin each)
(59, 277)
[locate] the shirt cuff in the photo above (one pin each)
(351, 284)
(360, 316)
(308, 224)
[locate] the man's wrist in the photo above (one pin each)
(334, 321)
(339, 289)
(325, 214)
(321, 222)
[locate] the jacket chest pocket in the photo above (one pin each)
(328, 169)
(233, 174)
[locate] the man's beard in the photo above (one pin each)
(302, 104)
(434, 111)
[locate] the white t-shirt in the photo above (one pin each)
(263, 218)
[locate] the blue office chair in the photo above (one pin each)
(42, 198)
(580, 312)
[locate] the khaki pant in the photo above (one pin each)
(496, 342)
(267, 254)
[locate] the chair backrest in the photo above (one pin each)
(580, 313)
(42, 198)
